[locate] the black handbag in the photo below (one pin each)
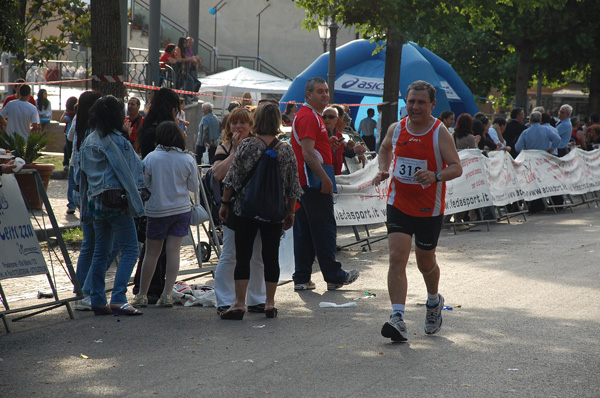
(117, 198)
(114, 199)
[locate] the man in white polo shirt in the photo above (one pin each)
(22, 116)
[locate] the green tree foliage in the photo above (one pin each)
(394, 21)
(22, 29)
(11, 36)
(535, 33)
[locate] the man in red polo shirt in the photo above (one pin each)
(424, 157)
(16, 95)
(315, 228)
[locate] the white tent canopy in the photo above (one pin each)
(242, 79)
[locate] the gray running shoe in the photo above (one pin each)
(305, 286)
(433, 319)
(351, 277)
(395, 328)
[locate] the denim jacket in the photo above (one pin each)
(102, 168)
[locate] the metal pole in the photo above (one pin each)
(258, 41)
(153, 41)
(217, 7)
(194, 22)
(331, 73)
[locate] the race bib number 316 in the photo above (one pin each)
(407, 167)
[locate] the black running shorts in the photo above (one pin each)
(425, 229)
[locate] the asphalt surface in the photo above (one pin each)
(524, 323)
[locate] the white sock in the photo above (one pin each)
(398, 308)
(432, 299)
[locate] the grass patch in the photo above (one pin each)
(73, 235)
(51, 159)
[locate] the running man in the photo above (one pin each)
(424, 158)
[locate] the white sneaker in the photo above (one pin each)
(310, 285)
(85, 304)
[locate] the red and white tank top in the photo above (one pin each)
(412, 153)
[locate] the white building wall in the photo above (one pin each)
(283, 42)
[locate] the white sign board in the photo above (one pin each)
(496, 180)
(450, 93)
(20, 252)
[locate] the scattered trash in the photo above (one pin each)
(512, 369)
(447, 307)
(326, 304)
(248, 360)
(182, 287)
(364, 249)
(84, 356)
(98, 341)
(42, 295)
(258, 327)
(202, 295)
(366, 296)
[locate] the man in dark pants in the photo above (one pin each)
(315, 228)
(514, 128)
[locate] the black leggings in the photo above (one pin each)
(245, 233)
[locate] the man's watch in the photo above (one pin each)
(438, 176)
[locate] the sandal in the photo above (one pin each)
(126, 309)
(272, 313)
(234, 315)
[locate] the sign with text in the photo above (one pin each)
(20, 252)
(493, 180)
(372, 86)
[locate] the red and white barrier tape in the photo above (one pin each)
(46, 83)
(147, 87)
(108, 78)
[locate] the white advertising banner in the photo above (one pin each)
(358, 201)
(20, 252)
(496, 180)
(470, 190)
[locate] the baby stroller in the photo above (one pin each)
(210, 199)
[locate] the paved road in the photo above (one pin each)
(524, 324)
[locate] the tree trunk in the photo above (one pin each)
(594, 97)
(107, 57)
(20, 68)
(391, 80)
(523, 75)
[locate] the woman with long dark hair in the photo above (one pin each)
(77, 133)
(164, 107)
(111, 177)
(44, 108)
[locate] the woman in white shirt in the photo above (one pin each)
(170, 173)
